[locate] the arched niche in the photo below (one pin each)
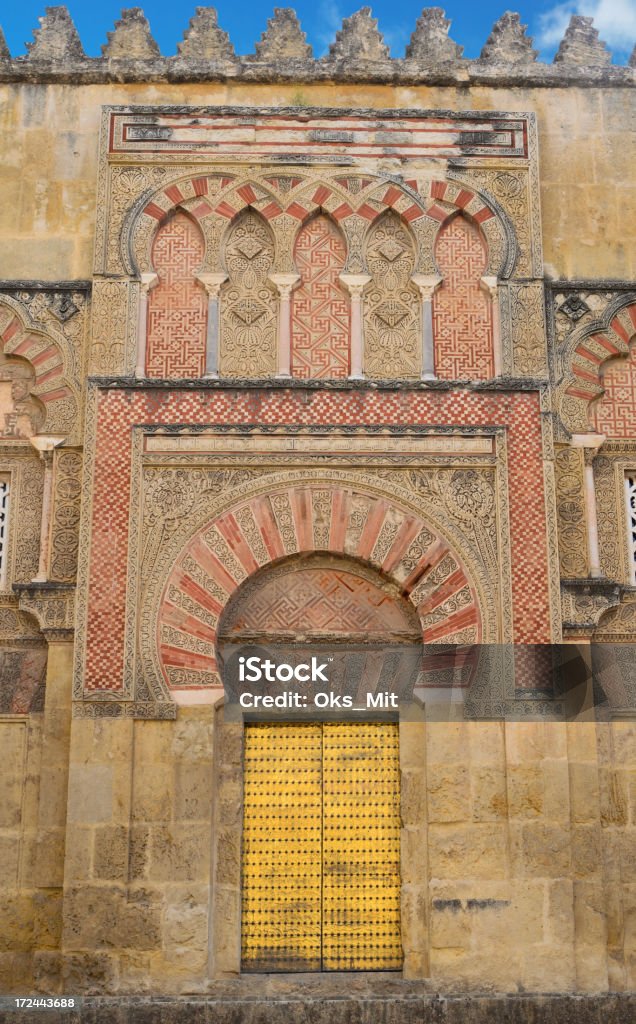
(248, 303)
(177, 304)
(462, 308)
(320, 305)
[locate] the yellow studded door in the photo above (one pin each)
(282, 840)
(321, 843)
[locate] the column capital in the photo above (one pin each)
(212, 282)
(284, 283)
(45, 444)
(427, 284)
(148, 281)
(489, 284)
(591, 440)
(355, 283)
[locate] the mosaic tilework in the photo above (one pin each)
(320, 308)
(177, 306)
(462, 315)
(119, 410)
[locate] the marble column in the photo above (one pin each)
(590, 443)
(45, 445)
(355, 285)
(427, 285)
(490, 286)
(212, 283)
(284, 284)
(147, 283)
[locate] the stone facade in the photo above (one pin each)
(286, 340)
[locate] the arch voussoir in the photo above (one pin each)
(303, 520)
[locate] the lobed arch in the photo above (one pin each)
(354, 202)
(589, 352)
(51, 385)
(282, 518)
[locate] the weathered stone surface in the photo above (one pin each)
(56, 39)
(508, 42)
(131, 38)
(359, 39)
(430, 43)
(283, 38)
(581, 45)
(4, 49)
(204, 40)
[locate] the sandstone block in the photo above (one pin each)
(448, 797)
(584, 792)
(110, 852)
(413, 798)
(546, 850)
(179, 853)
(90, 793)
(489, 793)
(193, 792)
(468, 851)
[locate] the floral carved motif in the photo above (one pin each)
(66, 516)
(248, 305)
(392, 319)
(571, 512)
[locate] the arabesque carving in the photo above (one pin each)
(67, 494)
(248, 305)
(573, 555)
(392, 328)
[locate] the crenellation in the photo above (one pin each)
(56, 39)
(581, 44)
(358, 54)
(204, 39)
(359, 39)
(508, 42)
(131, 38)
(430, 42)
(5, 53)
(283, 38)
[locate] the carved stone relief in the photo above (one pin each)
(21, 415)
(25, 472)
(248, 305)
(67, 494)
(461, 499)
(523, 329)
(392, 338)
(48, 327)
(609, 478)
(573, 556)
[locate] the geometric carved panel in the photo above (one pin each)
(320, 308)
(462, 312)
(177, 307)
(320, 600)
(615, 412)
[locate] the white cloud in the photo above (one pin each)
(614, 19)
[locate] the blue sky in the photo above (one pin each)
(615, 19)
